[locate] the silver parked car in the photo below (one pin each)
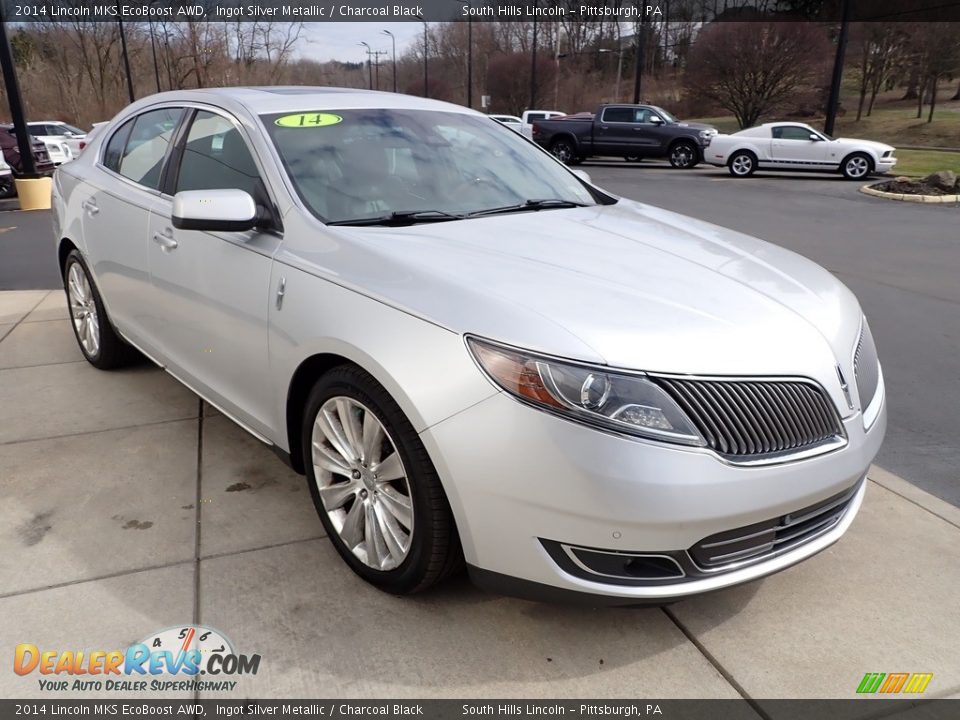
(471, 352)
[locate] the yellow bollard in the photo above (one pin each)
(34, 193)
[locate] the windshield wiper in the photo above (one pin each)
(529, 205)
(402, 217)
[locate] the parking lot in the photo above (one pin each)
(128, 505)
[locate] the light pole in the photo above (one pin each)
(533, 65)
(426, 85)
(619, 54)
(369, 64)
(394, 41)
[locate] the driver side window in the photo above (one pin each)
(216, 157)
(791, 132)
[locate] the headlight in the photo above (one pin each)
(866, 370)
(626, 403)
(707, 133)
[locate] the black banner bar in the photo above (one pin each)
(695, 11)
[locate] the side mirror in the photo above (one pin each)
(216, 210)
(68, 133)
(815, 137)
(583, 175)
(656, 120)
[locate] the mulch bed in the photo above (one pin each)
(912, 187)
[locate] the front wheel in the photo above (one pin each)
(98, 341)
(565, 152)
(857, 166)
(742, 164)
(374, 486)
(684, 155)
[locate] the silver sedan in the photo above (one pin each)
(473, 354)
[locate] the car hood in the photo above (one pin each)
(628, 285)
(878, 147)
(696, 125)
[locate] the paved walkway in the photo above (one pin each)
(127, 506)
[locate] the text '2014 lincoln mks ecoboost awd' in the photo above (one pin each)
(473, 354)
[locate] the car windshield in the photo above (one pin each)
(664, 114)
(423, 166)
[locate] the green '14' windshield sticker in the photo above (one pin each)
(303, 120)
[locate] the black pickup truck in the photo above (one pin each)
(632, 132)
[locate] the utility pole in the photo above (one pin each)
(470, 59)
(376, 64)
(369, 64)
(426, 85)
(834, 100)
(640, 46)
(533, 64)
(126, 58)
(27, 167)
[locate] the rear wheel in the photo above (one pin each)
(374, 486)
(857, 166)
(742, 164)
(98, 341)
(564, 151)
(684, 155)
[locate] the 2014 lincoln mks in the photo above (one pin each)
(473, 354)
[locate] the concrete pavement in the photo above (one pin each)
(127, 506)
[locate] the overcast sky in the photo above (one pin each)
(322, 41)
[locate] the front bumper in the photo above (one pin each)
(517, 477)
(885, 165)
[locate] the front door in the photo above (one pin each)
(792, 146)
(212, 290)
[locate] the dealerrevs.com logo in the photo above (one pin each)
(170, 660)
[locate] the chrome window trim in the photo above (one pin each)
(568, 551)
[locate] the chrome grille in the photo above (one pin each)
(761, 540)
(866, 367)
(751, 419)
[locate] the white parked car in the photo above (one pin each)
(532, 116)
(797, 147)
(7, 187)
(56, 131)
(58, 151)
(472, 353)
(515, 124)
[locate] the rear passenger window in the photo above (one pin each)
(620, 114)
(114, 150)
(146, 148)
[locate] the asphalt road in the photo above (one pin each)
(901, 259)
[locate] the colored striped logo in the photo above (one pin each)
(891, 683)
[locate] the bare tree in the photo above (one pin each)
(881, 47)
(750, 69)
(936, 54)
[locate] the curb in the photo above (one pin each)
(869, 190)
(907, 490)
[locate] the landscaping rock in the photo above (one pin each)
(945, 180)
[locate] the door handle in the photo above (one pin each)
(165, 240)
(90, 206)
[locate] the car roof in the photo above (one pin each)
(293, 98)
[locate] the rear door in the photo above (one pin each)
(613, 130)
(116, 213)
(211, 290)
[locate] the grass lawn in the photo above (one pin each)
(919, 163)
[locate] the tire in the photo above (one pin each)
(856, 166)
(742, 163)
(98, 341)
(684, 155)
(418, 544)
(7, 187)
(564, 151)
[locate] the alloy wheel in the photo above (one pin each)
(742, 165)
(83, 310)
(857, 167)
(562, 152)
(362, 483)
(681, 156)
